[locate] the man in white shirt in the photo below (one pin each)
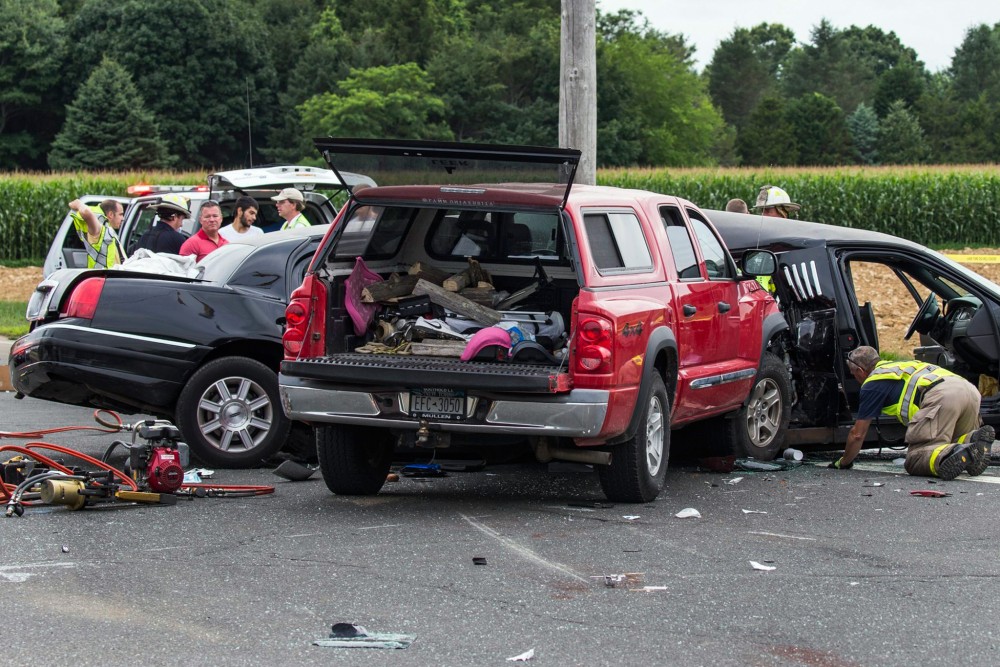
(243, 221)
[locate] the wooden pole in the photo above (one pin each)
(578, 85)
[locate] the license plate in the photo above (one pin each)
(437, 403)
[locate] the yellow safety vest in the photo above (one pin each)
(767, 283)
(107, 251)
(916, 376)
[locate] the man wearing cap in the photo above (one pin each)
(290, 203)
(774, 202)
(99, 235)
(207, 239)
(164, 236)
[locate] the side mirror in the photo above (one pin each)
(759, 263)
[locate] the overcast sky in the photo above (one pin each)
(932, 29)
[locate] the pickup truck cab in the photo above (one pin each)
(320, 188)
(642, 322)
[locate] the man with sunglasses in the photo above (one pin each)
(944, 431)
(164, 236)
(773, 202)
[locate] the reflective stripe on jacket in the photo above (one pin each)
(296, 222)
(917, 377)
(107, 251)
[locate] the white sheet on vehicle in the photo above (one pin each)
(161, 263)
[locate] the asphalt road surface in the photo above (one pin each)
(863, 572)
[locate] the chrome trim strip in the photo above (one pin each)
(715, 380)
(108, 332)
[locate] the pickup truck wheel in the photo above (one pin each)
(759, 428)
(354, 460)
(230, 413)
(639, 466)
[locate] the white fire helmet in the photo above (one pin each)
(771, 196)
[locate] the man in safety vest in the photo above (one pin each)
(290, 204)
(944, 432)
(99, 235)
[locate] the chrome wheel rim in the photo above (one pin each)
(654, 436)
(764, 413)
(235, 414)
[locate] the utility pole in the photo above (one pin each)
(578, 85)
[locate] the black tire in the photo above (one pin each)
(230, 413)
(758, 430)
(354, 460)
(639, 466)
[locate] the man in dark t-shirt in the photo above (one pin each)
(163, 235)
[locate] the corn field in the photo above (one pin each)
(937, 206)
(33, 206)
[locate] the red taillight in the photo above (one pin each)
(305, 320)
(295, 314)
(83, 301)
(593, 346)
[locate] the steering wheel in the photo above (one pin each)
(925, 318)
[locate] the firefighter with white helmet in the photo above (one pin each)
(774, 202)
(165, 235)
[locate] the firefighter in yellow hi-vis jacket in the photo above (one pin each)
(99, 234)
(944, 432)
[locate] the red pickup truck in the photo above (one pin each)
(477, 300)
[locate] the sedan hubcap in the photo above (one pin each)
(235, 414)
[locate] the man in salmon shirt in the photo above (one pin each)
(207, 239)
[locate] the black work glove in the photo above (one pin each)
(840, 465)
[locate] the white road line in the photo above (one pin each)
(790, 537)
(522, 551)
(896, 470)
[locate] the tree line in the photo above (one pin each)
(138, 84)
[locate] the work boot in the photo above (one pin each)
(982, 444)
(955, 462)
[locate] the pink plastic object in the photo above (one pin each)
(361, 313)
(484, 338)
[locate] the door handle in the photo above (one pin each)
(689, 310)
(724, 307)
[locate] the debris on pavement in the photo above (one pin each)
(423, 470)
(930, 494)
(722, 464)
(732, 480)
(874, 484)
(630, 517)
(524, 657)
(649, 589)
(350, 635)
(688, 513)
(590, 503)
(479, 560)
(754, 512)
(292, 471)
(794, 455)
(629, 579)
(753, 465)
(763, 568)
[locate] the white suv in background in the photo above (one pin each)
(320, 187)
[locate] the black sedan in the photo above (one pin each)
(202, 352)
(954, 312)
